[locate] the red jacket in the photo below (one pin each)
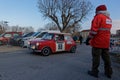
(100, 31)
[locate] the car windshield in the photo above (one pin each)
(28, 34)
(48, 36)
(2, 34)
(41, 34)
(35, 34)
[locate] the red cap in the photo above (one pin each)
(101, 8)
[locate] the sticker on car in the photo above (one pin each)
(60, 46)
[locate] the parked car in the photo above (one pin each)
(24, 41)
(36, 35)
(53, 42)
(17, 40)
(5, 37)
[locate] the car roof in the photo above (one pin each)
(60, 33)
(55, 32)
(50, 31)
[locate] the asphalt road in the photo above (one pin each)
(22, 65)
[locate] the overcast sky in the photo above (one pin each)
(26, 13)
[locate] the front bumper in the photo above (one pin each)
(34, 48)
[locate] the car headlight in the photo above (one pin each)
(28, 43)
(37, 44)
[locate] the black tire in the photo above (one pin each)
(18, 43)
(22, 44)
(73, 49)
(46, 51)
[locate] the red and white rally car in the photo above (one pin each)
(53, 42)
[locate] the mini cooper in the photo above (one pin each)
(53, 42)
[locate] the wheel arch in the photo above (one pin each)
(47, 47)
(72, 47)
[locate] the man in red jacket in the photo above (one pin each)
(99, 38)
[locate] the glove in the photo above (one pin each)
(87, 41)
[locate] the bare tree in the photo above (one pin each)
(4, 26)
(1, 31)
(65, 13)
(51, 26)
(28, 29)
(18, 28)
(14, 28)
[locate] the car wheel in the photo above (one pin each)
(73, 49)
(22, 43)
(19, 43)
(46, 51)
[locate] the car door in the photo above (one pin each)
(60, 44)
(68, 42)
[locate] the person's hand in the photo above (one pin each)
(87, 41)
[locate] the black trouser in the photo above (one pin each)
(104, 53)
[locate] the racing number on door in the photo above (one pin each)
(60, 46)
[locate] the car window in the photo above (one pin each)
(29, 34)
(25, 34)
(35, 34)
(15, 35)
(48, 36)
(68, 38)
(2, 34)
(41, 35)
(59, 37)
(8, 35)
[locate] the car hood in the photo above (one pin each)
(37, 40)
